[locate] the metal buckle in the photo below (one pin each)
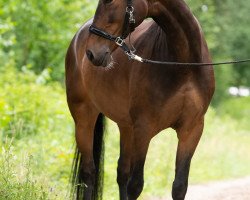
(130, 55)
(119, 41)
(130, 9)
(131, 19)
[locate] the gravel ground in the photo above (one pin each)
(224, 190)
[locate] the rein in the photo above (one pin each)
(128, 28)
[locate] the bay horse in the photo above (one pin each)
(142, 99)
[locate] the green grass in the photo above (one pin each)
(16, 177)
(36, 167)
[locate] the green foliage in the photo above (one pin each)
(28, 106)
(224, 79)
(236, 108)
(205, 13)
(34, 115)
(235, 37)
(36, 33)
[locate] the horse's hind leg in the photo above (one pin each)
(124, 162)
(188, 140)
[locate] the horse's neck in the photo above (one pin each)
(181, 28)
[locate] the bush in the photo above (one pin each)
(33, 34)
(237, 108)
(29, 105)
(35, 116)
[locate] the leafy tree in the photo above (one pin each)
(37, 33)
(235, 38)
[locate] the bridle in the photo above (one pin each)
(129, 27)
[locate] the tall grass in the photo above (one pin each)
(16, 177)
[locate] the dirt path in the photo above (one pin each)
(225, 190)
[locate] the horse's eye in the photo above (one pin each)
(107, 1)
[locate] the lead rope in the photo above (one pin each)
(133, 56)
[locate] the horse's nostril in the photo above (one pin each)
(90, 55)
(98, 58)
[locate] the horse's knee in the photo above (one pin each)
(135, 187)
(179, 190)
(122, 177)
(123, 171)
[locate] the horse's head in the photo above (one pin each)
(113, 21)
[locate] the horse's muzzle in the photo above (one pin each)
(98, 59)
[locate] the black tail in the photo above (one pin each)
(98, 153)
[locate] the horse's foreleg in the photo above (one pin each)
(188, 140)
(140, 148)
(85, 118)
(124, 162)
